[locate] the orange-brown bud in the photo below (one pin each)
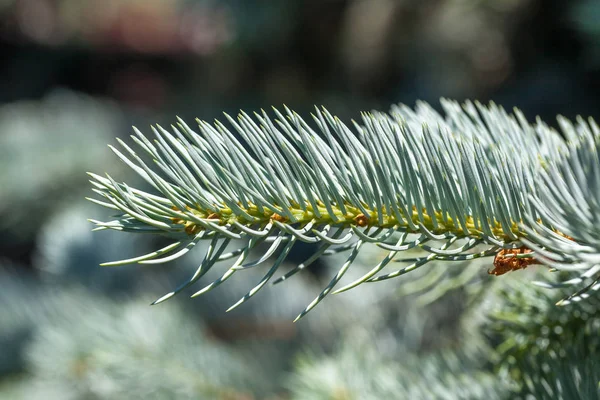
(361, 220)
(506, 261)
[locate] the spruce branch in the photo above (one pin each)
(474, 183)
(569, 202)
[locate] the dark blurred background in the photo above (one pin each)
(75, 74)
(199, 57)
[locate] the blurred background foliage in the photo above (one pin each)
(75, 74)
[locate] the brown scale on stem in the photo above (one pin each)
(192, 229)
(279, 218)
(361, 220)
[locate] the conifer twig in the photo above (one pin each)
(458, 187)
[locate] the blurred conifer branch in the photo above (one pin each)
(477, 182)
(547, 351)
